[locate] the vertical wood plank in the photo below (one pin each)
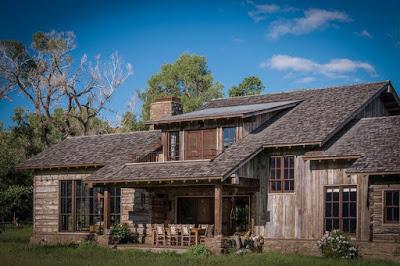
(218, 210)
(106, 209)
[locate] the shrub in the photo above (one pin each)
(120, 232)
(336, 244)
(198, 250)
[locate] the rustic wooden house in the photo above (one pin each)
(287, 166)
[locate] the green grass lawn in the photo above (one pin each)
(15, 250)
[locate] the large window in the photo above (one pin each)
(229, 136)
(341, 209)
(281, 176)
(392, 206)
(173, 146)
(66, 223)
(81, 206)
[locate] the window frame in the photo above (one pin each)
(281, 180)
(384, 220)
(74, 208)
(177, 145)
(340, 201)
(233, 128)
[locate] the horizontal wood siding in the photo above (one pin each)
(382, 231)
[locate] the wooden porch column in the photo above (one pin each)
(106, 210)
(218, 210)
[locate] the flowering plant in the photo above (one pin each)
(337, 244)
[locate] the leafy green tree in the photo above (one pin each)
(249, 86)
(129, 123)
(188, 78)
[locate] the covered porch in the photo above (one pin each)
(179, 213)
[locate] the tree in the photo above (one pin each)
(47, 76)
(129, 123)
(249, 86)
(188, 78)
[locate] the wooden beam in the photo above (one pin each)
(106, 209)
(218, 210)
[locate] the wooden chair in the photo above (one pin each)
(204, 232)
(160, 234)
(186, 235)
(173, 237)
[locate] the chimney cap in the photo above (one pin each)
(167, 99)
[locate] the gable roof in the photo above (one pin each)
(375, 140)
(319, 115)
(95, 150)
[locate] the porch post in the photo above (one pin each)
(218, 210)
(106, 210)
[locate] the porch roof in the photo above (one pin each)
(155, 171)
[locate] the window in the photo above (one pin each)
(66, 223)
(81, 206)
(391, 207)
(200, 144)
(173, 146)
(115, 205)
(281, 176)
(341, 209)
(229, 136)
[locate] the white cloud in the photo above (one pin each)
(364, 34)
(312, 20)
(335, 68)
(260, 12)
(305, 80)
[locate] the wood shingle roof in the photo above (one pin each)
(95, 150)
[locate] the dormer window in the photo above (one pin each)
(229, 136)
(173, 146)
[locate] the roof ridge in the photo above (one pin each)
(381, 117)
(110, 134)
(303, 89)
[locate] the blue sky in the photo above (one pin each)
(288, 44)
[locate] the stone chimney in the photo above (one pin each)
(165, 107)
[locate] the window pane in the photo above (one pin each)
(353, 209)
(353, 225)
(396, 198)
(346, 225)
(335, 224)
(229, 136)
(345, 210)
(173, 152)
(335, 207)
(328, 210)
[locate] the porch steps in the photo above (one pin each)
(143, 247)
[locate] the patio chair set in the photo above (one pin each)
(183, 235)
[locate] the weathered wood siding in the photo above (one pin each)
(375, 108)
(382, 231)
(300, 214)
